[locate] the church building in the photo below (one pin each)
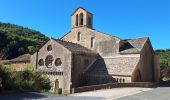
(84, 57)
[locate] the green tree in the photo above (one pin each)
(31, 49)
(16, 40)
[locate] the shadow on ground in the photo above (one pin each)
(43, 96)
(21, 96)
(165, 84)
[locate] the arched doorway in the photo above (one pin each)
(56, 86)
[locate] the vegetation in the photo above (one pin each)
(164, 61)
(28, 80)
(16, 40)
(164, 57)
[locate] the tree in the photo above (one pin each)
(31, 49)
(16, 40)
(21, 50)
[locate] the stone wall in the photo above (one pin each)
(18, 66)
(156, 68)
(53, 78)
(104, 44)
(86, 15)
(80, 63)
(58, 51)
(112, 69)
(146, 65)
(113, 85)
(86, 69)
(121, 65)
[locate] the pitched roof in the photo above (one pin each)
(118, 63)
(133, 45)
(81, 8)
(73, 47)
(98, 67)
(22, 58)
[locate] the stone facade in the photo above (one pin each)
(55, 73)
(85, 57)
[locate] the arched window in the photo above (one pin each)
(81, 19)
(58, 62)
(49, 61)
(77, 20)
(78, 36)
(41, 62)
(92, 42)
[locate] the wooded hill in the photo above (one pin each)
(17, 40)
(164, 57)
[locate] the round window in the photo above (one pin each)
(49, 47)
(41, 62)
(49, 61)
(58, 62)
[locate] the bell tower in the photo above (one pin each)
(82, 18)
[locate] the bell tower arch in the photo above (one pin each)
(82, 18)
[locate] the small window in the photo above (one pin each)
(123, 80)
(120, 80)
(117, 79)
(78, 36)
(41, 62)
(49, 47)
(58, 62)
(92, 42)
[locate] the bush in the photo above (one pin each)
(27, 80)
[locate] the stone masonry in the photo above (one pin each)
(85, 57)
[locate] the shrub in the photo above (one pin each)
(41, 82)
(27, 80)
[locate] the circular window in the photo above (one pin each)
(41, 62)
(49, 47)
(49, 61)
(58, 62)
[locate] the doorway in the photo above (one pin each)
(56, 86)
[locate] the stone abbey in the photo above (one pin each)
(86, 57)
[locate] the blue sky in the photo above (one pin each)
(122, 18)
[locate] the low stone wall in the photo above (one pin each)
(113, 85)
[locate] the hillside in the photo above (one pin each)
(164, 57)
(17, 40)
